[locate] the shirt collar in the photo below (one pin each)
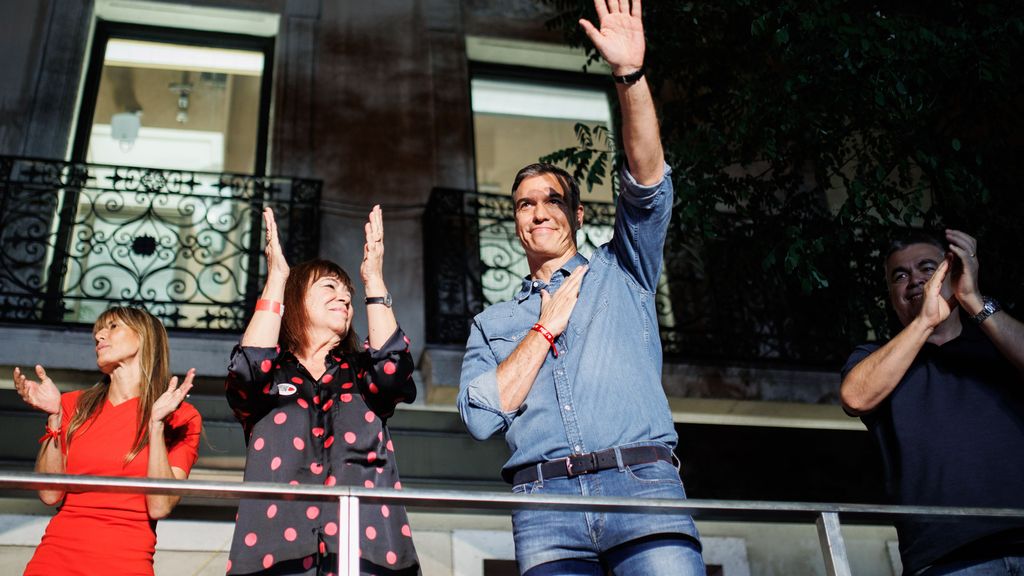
(531, 286)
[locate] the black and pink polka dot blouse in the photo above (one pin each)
(327, 431)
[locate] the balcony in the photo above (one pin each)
(76, 238)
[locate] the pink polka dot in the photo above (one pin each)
(368, 483)
(398, 484)
(371, 532)
(331, 529)
(280, 418)
(316, 399)
(380, 470)
(330, 481)
(406, 531)
(380, 435)
(392, 557)
(275, 463)
(390, 446)
(369, 416)
(350, 437)
(327, 378)
(318, 431)
(312, 512)
(389, 368)
(406, 338)
(266, 389)
(323, 549)
(293, 482)
(302, 403)
(371, 457)
(345, 398)
(347, 385)
(250, 539)
(290, 534)
(328, 404)
(271, 510)
(307, 562)
(299, 443)
(265, 366)
(268, 560)
(258, 444)
(329, 441)
(373, 388)
(296, 380)
(316, 468)
(344, 366)
(385, 511)
(228, 567)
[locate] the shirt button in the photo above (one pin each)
(568, 408)
(576, 447)
(536, 284)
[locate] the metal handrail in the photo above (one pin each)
(825, 515)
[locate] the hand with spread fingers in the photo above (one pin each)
(620, 38)
(277, 265)
(175, 394)
(42, 395)
(964, 278)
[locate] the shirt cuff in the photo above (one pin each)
(483, 394)
(638, 193)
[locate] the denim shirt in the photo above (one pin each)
(604, 388)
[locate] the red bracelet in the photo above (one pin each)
(547, 336)
(50, 433)
(270, 306)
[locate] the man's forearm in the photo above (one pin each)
(641, 134)
(1007, 334)
(517, 373)
(875, 377)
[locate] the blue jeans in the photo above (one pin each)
(1009, 566)
(654, 544)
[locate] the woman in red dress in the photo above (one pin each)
(132, 423)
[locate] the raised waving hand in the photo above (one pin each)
(620, 38)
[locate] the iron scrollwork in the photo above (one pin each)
(77, 238)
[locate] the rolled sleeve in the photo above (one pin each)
(478, 401)
(641, 225)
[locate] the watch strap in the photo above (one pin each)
(990, 307)
(631, 78)
(385, 300)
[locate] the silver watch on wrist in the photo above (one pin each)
(990, 307)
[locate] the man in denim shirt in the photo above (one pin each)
(570, 368)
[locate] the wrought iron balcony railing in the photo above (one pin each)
(76, 238)
(715, 301)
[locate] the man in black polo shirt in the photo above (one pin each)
(944, 399)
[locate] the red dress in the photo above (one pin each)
(102, 532)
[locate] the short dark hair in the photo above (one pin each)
(293, 325)
(569, 186)
(907, 238)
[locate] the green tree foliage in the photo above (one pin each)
(803, 134)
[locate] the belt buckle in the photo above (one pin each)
(581, 464)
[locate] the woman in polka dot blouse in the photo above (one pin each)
(314, 411)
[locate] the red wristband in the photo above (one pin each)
(270, 306)
(547, 336)
(50, 433)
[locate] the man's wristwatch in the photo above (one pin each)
(385, 300)
(631, 78)
(990, 307)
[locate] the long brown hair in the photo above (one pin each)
(293, 326)
(154, 356)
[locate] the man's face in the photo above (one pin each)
(543, 217)
(907, 271)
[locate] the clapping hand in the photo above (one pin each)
(42, 395)
(175, 394)
(277, 266)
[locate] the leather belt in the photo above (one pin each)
(579, 464)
